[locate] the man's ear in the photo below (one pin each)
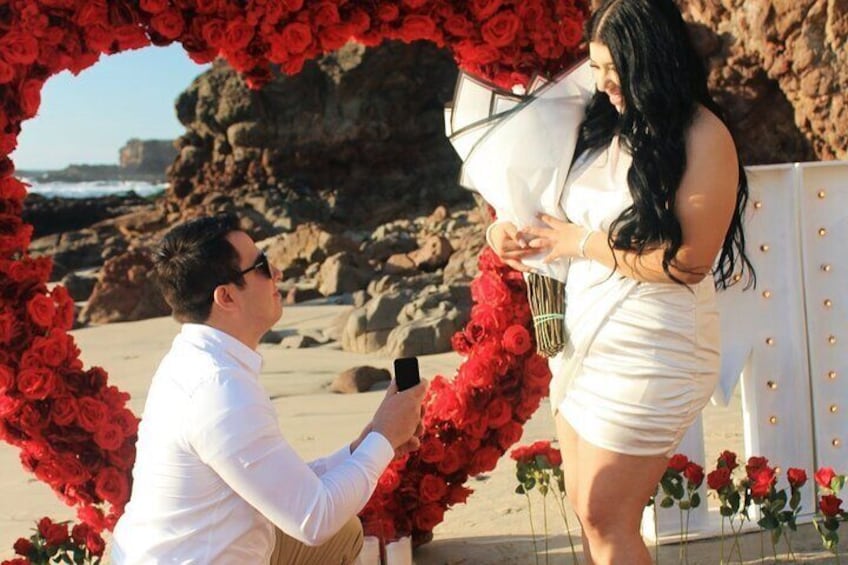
(222, 297)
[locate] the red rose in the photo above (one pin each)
(491, 318)
(36, 383)
(7, 73)
(459, 343)
(432, 488)
(123, 457)
(528, 405)
(9, 405)
(168, 23)
(130, 37)
(537, 372)
(72, 470)
(19, 48)
(112, 486)
(488, 288)
(153, 6)
(109, 437)
(389, 480)
(485, 459)
(502, 29)
(455, 456)
(54, 534)
(482, 9)
(516, 340)
(387, 12)
(93, 517)
(91, 413)
(458, 26)
(457, 494)
(64, 410)
(30, 97)
(297, 37)
(719, 479)
(694, 473)
(417, 27)
(238, 34)
(824, 477)
(570, 33)
(678, 462)
(23, 546)
(754, 464)
(126, 421)
(324, 14)
(55, 349)
(41, 310)
(796, 477)
(830, 505)
(509, 434)
(499, 412)
(428, 517)
(7, 379)
(415, 4)
(95, 544)
(207, 6)
(554, 457)
(432, 450)
(214, 32)
(762, 480)
(727, 459)
(64, 319)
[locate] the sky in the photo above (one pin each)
(86, 119)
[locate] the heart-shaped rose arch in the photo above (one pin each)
(73, 429)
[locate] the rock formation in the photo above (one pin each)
(780, 68)
(148, 156)
(359, 133)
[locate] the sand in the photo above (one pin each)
(492, 528)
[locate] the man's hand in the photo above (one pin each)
(509, 245)
(399, 415)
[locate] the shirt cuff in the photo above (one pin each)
(377, 449)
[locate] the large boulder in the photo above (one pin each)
(125, 291)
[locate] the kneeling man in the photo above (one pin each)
(214, 480)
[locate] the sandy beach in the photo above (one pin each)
(492, 528)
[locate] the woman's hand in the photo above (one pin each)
(559, 238)
(508, 243)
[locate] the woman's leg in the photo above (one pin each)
(568, 446)
(613, 489)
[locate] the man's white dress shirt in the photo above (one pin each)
(213, 474)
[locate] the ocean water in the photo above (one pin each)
(93, 188)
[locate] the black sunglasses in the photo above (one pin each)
(262, 265)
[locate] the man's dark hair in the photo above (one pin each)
(192, 260)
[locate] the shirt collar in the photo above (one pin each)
(220, 343)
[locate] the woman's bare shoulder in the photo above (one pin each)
(709, 141)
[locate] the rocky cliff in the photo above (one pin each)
(360, 133)
(780, 68)
(147, 156)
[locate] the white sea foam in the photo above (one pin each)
(93, 188)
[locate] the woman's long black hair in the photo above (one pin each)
(662, 81)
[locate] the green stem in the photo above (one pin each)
(686, 539)
(736, 532)
(721, 559)
(762, 548)
(681, 552)
(532, 529)
(561, 501)
(656, 534)
(545, 520)
(773, 548)
(789, 545)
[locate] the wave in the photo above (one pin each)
(93, 189)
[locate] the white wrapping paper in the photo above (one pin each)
(517, 151)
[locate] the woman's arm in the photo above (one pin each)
(704, 207)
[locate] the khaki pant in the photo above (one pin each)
(341, 549)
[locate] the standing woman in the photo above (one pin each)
(656, 194)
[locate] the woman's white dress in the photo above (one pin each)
(643, 358)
